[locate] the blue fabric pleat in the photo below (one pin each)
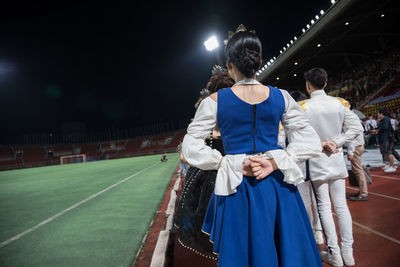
(263, 224)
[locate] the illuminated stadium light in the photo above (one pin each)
(296, 63)
(291, 41)
(287, 45)
(274, 58)
(308, 26)
(277, 78)
(284, 48)
(303, 30)
(280, 51)
(263, 68)
(333, 1)
(347, 23)
(312, 21)
(382, 15)
(271, 60)
(268, 63)
(321, 12)
(318, 45)
(295, 38)
(295, 75)
(211, 43)
(316, 17)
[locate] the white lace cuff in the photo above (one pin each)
(230, 174)
(287, 165)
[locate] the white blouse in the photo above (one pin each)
(304, 143)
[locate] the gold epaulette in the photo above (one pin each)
(280, 126)
(344, 102)
(302, 104)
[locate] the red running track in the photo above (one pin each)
(376, 224)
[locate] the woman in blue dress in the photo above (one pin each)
(255, 216)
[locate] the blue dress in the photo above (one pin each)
(264, 223)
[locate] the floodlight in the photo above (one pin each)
(211, 43)
(303, 30)
(295, 38)
(312, 21)
(333, 1)
(308, 26)
(316, 17)
(322, 12)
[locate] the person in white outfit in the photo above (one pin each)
(329, 116)
(306, 191)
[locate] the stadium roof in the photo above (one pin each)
(339, 38)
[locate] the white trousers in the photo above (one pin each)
(337, 190)
(307, 194)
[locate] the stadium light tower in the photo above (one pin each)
(212, 44)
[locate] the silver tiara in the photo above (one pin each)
(217, 69)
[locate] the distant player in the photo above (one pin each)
(164, 157)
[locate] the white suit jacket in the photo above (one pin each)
(329, 116)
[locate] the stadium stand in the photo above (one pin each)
(32, 156)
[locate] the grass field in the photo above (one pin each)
(104, 230)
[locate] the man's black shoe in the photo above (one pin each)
(358, 198)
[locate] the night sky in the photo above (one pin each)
(122, 64)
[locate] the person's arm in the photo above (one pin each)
(194, 149)
(304, 142)
(198, 154)
(353, 128)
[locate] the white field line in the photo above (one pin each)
(372, 193)
(387, 177)
(12, 239)
(375, 232)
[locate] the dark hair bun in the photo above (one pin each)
(244, 51)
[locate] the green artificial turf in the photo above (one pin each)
(105, 231)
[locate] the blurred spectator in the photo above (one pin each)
(371, 125)
(359, 82)
(385, 137)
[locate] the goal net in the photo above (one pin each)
(73, 159)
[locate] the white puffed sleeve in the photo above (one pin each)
(304, 143)
(199, 155)
(281, 136)
(194, 150)
(352, 125)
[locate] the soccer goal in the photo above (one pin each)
(73, 159)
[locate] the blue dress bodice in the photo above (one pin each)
(249, 128)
